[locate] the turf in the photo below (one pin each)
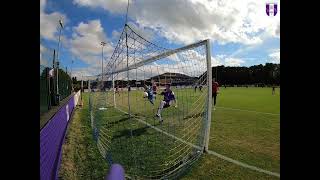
(249, 135)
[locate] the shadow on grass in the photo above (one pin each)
(111, 124)
(136, 132)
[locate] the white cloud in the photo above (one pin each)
(85, 73)
(116, 35)
(49, 23)
(42, 48)
(242, 21)
(115, 6)
(43, 56)
(85, 45)
(233, 62)
(145, 32)
(85, 42)
(275, 56)
(217, 61)
(237, 21)
(191, 62)
(44, 62)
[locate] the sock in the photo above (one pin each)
(161, 107)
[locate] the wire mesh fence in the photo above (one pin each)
(45, 102)
(50, 93)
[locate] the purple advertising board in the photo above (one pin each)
(51, 140)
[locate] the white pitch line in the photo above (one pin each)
(243, 164)
(209, 151)
(247, 110)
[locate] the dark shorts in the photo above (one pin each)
(214, 95)
(167, 104)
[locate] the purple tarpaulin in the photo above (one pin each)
(51, 140)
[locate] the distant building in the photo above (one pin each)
(175, 79)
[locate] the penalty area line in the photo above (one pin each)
(220, 107)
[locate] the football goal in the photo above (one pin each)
(147, 116)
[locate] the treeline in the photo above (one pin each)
(261, 75)
(258, 75)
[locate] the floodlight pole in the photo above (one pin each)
(58, 52)
(81, 91)
(102, 44)
(71, 69)
(209, 106)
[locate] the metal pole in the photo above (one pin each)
(127, 12)
(209, 106)
(53, 80)
(82, 83)
(114, 93)
(128, 82)
(54, 59)
(59, 44)
(81, 91)
(102, 85)
(58, 62)
(58, 53)
(48, 86)
(71, 69)
(102, 68)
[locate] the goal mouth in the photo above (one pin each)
(156, 126)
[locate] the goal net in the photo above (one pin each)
(152, 114)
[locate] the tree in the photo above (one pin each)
(258, 74)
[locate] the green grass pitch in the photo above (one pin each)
(245, 127)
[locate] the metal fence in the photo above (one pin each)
(65, 84)
(48, 88)
(45, 103)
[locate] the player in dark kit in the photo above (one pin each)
(168, 99)
(273, 90)
(215, 91)
(154, 89)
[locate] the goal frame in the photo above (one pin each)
(169, 53)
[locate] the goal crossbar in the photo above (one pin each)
(157, 57)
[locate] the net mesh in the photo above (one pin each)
(123, 114)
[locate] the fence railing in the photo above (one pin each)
(49, 96)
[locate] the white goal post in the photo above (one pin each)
(169, 53)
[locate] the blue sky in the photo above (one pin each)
(240, 31)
